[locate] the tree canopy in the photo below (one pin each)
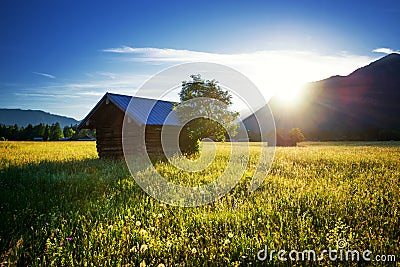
(205, 109)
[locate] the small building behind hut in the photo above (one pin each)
(143, 117)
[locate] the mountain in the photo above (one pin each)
(365, 105)
(34, 117)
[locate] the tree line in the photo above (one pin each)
(46, 132)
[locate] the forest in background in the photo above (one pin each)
(44, 132)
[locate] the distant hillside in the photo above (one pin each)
(34, 117)
(364, 105)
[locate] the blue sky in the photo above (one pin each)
(61, 56)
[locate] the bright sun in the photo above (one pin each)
(288, 91)
(288, 95)
(284, 78)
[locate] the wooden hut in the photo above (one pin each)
(143, 117)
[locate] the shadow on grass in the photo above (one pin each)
(35, 196)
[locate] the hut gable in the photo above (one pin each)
(108, 115)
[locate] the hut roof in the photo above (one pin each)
(144, 111)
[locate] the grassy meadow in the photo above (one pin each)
(62, 206)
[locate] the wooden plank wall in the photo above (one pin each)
(109, 140)
(108, 120)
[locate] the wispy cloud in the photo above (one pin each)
(44, 74)
(270, 70)
(149, 54)
(103, 82)
(98, 84)
(151, 51)
(385, 50)
(34, 92)
(108, 74)
(123, 49)
(90, 93)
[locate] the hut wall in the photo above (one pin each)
(153, 139)
(133, 138)
(108, 121)
(109, 140)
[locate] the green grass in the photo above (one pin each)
(60, 205)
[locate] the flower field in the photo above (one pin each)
(62, 206)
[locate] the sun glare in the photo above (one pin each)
(285, 76)
(289, 90)
(289, 95)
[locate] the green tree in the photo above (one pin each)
(56, 133)
(207, 91)
(83, 133)
(296, 136)
(27, 133)
(14, 132)
(47, 132)
(68, 132)
(39, 130)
